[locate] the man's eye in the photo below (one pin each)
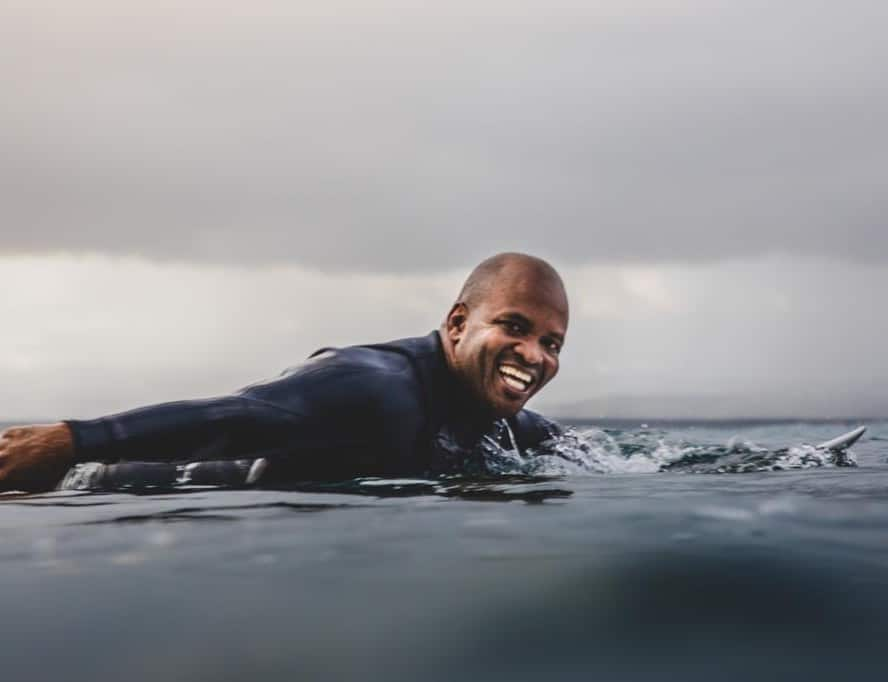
(554, 347)
(513, 327)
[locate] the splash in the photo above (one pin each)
(595, 451)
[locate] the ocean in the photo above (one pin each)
(630, 550)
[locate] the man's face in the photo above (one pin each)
(506, 347)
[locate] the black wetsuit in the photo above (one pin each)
(391, 409)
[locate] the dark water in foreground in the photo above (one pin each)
(651, 571)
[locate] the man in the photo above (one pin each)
(417, 406)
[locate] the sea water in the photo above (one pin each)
(624, 551)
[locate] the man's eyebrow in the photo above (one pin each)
(518, 317)
(512, 315)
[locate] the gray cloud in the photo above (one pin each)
(775, 336)
(389, 138)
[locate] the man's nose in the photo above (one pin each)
(530, 352)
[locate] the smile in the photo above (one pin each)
(515, 377)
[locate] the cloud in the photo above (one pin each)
(770, 336)
(767, 337)
(386, 138)
(92, 335)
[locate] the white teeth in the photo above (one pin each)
(514, 383)
(509, 370)
(515, 378)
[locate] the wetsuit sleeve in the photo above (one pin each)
(218, 428)
(353, 409)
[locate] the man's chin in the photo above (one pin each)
(503, 409)
(499, 404)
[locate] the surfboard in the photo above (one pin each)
(843, 442)
(243, 472)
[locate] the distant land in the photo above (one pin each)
(811, 405)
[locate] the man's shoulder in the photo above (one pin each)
(364, 359)
(390, 372)
(412, 349)
(388, 358)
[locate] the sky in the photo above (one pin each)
(197, 195)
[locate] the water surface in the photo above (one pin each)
(644, 562)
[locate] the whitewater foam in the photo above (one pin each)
(595, 451)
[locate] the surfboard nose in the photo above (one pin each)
(846, 440)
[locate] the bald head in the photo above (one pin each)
(510, 270)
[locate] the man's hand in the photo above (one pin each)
(35, 458)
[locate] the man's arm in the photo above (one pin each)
(35, 458)
(226, 427)
(327, 405)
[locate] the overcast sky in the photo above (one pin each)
(194, 197)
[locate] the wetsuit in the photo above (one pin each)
(391, 409)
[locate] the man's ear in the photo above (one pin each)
(456, 321)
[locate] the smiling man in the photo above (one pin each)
(414, 407)
(503, 336)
